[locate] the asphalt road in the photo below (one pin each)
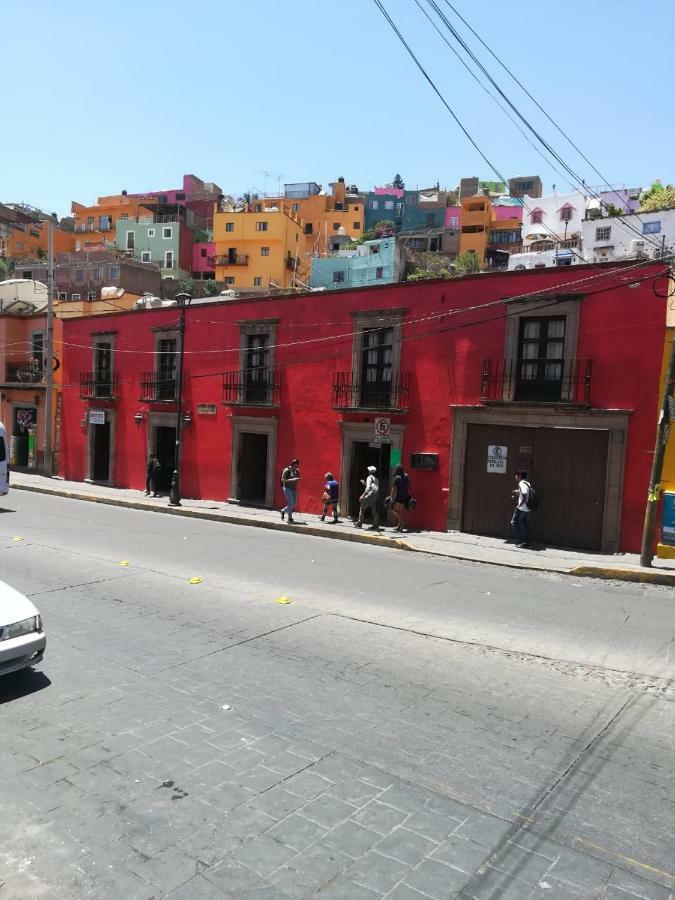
(406, 727)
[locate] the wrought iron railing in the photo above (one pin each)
(255, 387)
(98, 385)
(537, 380)
(352, 391)
(158, 386)
(241, 259)
(23, 371)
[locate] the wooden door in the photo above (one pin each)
(567, 468)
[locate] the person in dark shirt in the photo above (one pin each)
(400, 495)
(331, 495)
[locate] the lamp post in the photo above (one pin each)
(183, 301)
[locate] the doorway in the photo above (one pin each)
(567, 467)
(364, 454)
(100, 461)
(24, 418)
(165, 451)
(252, 468)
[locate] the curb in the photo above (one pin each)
(313, 531)
(637, 576)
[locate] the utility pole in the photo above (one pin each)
(662, 433)
(49, 355)
(183, 301)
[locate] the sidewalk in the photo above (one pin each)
(454, 545)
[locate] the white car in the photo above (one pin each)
(22, 638)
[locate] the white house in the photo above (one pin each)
(556, 217)
(645, 235)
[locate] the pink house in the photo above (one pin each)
(203, 260)
(453, 217)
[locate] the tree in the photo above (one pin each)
(435, 265)
(210, 287)
(466, 264)
(6, 268)
(186, 286)
(658, 197)
(398, 182)
(431, 265)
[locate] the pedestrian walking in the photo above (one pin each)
(520, 520)
(289, 483)
(331, 495)
(400, 497)
(368, 500)
(152, 471)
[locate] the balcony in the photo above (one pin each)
(238, 259)
(98, 386)
(84, 227)
(350, 391)
(251, 387)
(537, 380)
(23, 371)
(159, 387)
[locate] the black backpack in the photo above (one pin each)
(532, 499)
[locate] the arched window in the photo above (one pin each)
(537, 216)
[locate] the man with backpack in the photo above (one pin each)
(525, 500)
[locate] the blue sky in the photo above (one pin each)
(135, 94)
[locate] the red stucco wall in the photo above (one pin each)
(447, 332)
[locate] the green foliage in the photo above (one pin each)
(435, 265)
(398, 182)
(210, 288)
(613, 210)
(6, 268)
(658, 197)
(466, 264)
(186, 286)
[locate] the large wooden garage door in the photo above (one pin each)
(567, 467)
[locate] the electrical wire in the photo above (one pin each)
(550, 149)
(434, 331)
(325, 338)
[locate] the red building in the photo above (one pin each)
(552, 370)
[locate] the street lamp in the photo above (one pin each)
(183, 301)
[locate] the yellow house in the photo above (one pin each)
(260, 247)
(668, 473)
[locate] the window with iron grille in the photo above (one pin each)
(603, 234)
(540, 362)
(566, 213)
(537, 216)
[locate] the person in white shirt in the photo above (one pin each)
(369, 499)
(520, 520)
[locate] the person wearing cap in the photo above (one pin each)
(289, 484)
(331, 495)
(368, 500)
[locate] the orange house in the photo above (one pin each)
(482, 229)
(328, 219)
(30, 240)
(96, 225)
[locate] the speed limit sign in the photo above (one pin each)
(382, 430)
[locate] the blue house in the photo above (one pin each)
(374, 262)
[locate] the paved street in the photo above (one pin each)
(406, 727)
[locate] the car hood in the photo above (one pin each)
(14, 607)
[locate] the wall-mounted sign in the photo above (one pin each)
(525, 451)
(97, 417)
(496, 459)
(424, 460)
(206, 409)
(382, 430)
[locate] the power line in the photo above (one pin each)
(434, 5)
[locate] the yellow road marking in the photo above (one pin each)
(629, 859)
